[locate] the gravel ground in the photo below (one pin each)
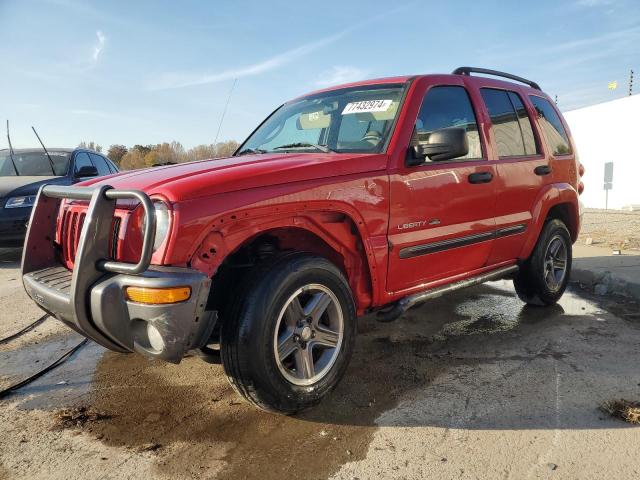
(611, 228)
(469, 386)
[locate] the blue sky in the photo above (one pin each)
(147, 72)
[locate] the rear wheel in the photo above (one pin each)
(543, 278)
(290, 334)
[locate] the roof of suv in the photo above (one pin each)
(457, 73)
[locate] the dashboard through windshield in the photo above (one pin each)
(358, 119)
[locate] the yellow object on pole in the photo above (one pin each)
(158, 296)
(613, 85)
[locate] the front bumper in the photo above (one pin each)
(13, 226)
(121, 325)
(91, 299)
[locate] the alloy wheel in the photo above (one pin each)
(555, 263)
(308, 334)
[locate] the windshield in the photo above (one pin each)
(357, 119)
(33, 163)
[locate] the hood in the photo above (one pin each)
(22, 186)
(187, 181)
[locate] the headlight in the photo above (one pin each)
(20, 202)
(162, 223)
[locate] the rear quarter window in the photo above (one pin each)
(549, 121)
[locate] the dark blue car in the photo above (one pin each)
(22, 174)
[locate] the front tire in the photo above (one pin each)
(543, 278)
(289, 336)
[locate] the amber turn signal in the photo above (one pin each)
(158, 296)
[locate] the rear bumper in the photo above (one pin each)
(91, 299)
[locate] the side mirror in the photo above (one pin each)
(443, 144)
(87, 171)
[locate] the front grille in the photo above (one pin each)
(72, 221)
(70, 228)
(115, 230)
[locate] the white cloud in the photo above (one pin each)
(340, 74)
(180, 80)
(97, 48)
(185, 79)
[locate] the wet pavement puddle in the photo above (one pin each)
(201, 426)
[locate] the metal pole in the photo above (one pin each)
(631, 83)
(606, 199)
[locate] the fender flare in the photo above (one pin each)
(226, 233)
(550, 196)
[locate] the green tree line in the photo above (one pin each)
(143, 156)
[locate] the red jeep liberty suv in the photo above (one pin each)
(367, 197)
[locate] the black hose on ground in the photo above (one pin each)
(24, 330)
(57, 363)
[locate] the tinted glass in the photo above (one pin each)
(112, 166)
(525, 124)
(549, 120)
(101, 164)
(355, 119)
(445, 107)
(33, 163)
(82, 160)
(506, 128)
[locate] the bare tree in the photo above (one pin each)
(90, 146)
(116, 152)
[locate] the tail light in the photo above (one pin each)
(581, 173)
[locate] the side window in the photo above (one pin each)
(82, 160)
(101, 164)
(449, 106)
(548, 118)
(506, 128)
(530, 147)
(112, 166)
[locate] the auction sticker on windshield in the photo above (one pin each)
(367, 106)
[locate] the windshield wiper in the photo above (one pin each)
(15, 168)
(53, 169)
(322, 148)
(251, 151)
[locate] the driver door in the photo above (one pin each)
(441, 221)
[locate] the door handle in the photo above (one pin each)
(542, 170)
(480, 177)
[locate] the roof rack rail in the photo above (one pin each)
(486, 71)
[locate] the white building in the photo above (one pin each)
(609, 132)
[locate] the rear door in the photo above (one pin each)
(523, 169)
(441, 217)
